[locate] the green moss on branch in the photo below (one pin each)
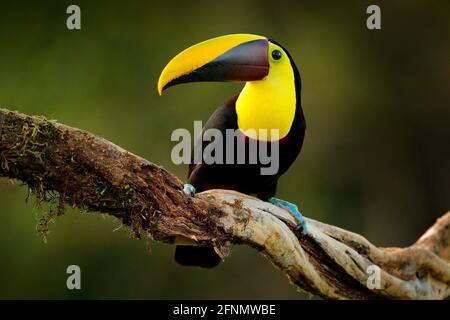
(64, 165)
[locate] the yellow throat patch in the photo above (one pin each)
(269, 103)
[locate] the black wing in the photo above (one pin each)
(223, 118)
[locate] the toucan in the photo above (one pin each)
(269, 100)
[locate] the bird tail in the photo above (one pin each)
(191, 256)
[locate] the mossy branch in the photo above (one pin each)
(74, 167)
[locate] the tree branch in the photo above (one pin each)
(70, 166)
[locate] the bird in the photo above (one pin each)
(270, 100)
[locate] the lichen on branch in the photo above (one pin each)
(68, 166)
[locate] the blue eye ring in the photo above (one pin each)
(276, 54)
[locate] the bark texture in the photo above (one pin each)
(69, 166)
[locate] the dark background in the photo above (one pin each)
(376, 158)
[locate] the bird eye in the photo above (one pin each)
(276, 54)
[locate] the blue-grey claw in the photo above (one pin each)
(293, 209)
(189, 190)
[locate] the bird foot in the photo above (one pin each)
(293, 209)
(189, 190)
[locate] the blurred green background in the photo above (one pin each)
(376, 158)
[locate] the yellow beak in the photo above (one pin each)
(236, 57)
